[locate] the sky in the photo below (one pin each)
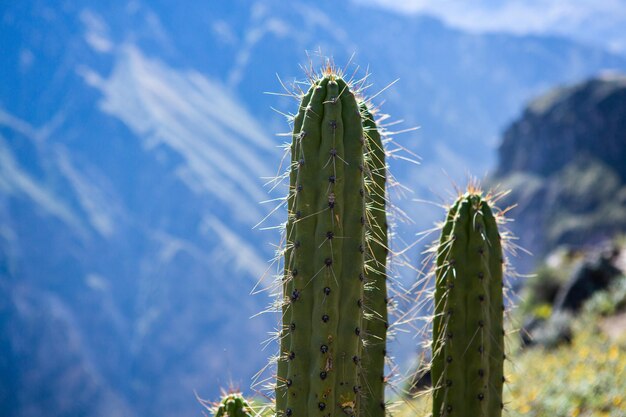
(600, 22)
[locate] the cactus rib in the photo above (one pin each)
(375, 299)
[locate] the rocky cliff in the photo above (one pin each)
(565, 161)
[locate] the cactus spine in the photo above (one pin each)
(322, 336)
(468, 334)
(233, 405)
(375, 298)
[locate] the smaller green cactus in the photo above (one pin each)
(468, 333)
(233, 404)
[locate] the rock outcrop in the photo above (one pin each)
(565, 161)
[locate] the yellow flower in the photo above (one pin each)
(584, 351)
(613, 352)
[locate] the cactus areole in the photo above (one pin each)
(319, 371)
(468, 335)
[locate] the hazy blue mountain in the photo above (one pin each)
(135, 140)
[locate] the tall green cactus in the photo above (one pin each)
(233, 404)
(468, 334)
(323, 314)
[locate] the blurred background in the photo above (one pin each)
(135, 141)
